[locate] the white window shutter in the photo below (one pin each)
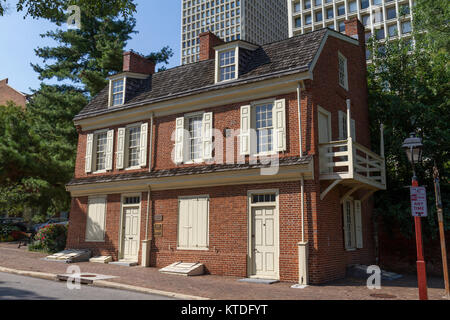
(143, 147)
(120, 155)
(95, 225)
(183, 223)
(89, 149)
(358, 224)
(202, 222)
(179, 140)
(207, 128)
(245, 130)
(279, 117)
(109, 150)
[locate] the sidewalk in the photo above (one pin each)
(216, 287)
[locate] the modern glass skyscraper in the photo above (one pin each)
(381, 18)
(256, 21)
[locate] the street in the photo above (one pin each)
(14, 287)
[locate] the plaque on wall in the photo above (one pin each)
(158, 230)
(158, 217)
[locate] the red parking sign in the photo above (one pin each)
(419, 202)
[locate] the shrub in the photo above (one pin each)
(51, 238)
(6, 231)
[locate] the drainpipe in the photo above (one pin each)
(150, 158)
(303, 245)
(146, 244)
(300, 129)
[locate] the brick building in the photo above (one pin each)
(9, 94)
(241, 161)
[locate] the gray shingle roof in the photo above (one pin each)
(291, 55)
(288, 161)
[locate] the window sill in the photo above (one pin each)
(196, 161)
(100, 171)
(95, 241)
(192, 249)
(350, 249)
(133, 168)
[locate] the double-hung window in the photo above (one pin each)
(352, 220)
(264, 128)
(100, 151)
(227, 65)
(134, 145)
(117, 92)
(343, 74)
(195, 137)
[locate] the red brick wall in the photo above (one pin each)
(208, 41)
(9, 94)
(228, 204)
(228, 219)
(133, 62)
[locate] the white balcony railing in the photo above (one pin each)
(346, 159)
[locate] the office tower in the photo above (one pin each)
(382, 18)
(256, 21)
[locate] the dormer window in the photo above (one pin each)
(227, 65)
(229, 56)
(117, 92)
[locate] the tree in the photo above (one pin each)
(38, 146)
(55, 9)
(409, 91)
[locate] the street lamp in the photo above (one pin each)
(413, 148)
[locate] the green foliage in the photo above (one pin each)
(55, 9)
(51, 239)
(89, 55)
(5, 232)
(409, 91)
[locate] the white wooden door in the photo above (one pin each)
(131, 233)
(265, 242)
(324, 137)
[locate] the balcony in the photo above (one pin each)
(352, 165)
(348, 163)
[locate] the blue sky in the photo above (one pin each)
(158, 23)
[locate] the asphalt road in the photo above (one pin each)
(14, 287)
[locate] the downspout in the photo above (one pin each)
(302, 246)
(300, 129)
(146, 244)
(150, 159)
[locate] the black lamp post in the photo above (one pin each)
(413, 147)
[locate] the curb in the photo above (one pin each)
(106, 284)
(121, 286)
(40, 275)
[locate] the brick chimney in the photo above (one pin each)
(208, 41)
(355, 29)
(133, 62)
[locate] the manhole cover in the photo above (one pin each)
(383, 296)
